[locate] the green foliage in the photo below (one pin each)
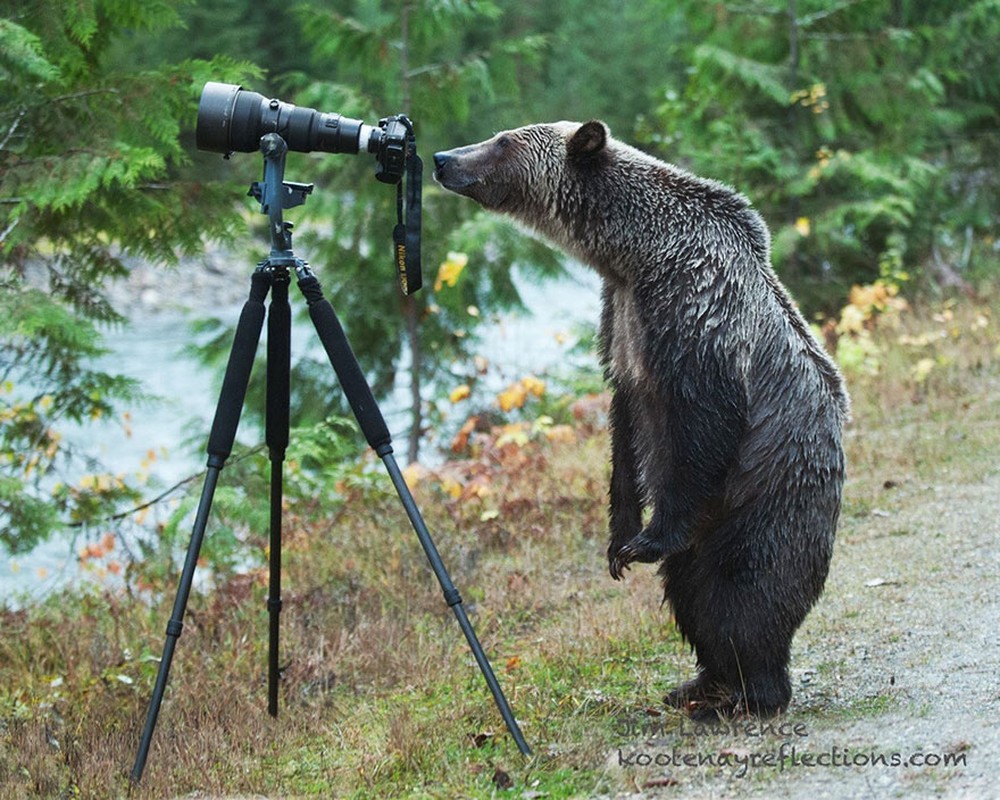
(90, 175)
(863, 131)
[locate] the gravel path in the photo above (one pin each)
(899, 661)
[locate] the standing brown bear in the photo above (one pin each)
(726, 413)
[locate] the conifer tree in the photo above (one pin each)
(90, 152)
(863, 130)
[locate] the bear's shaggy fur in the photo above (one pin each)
(726, 413)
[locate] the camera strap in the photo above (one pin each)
(406, 236)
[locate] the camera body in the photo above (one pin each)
(390, 149)
(233, 119)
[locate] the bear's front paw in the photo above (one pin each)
(639, 549)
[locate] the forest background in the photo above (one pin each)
(865, 132)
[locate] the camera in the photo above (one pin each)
(233, 119)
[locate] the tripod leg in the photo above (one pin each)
(359, 395)
(279, 324)
(453, 599)
(220, 445)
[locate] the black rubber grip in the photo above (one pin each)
(352, 379)
(237, 378)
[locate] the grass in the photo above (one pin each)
(380, 695)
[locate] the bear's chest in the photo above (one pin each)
(628, 356)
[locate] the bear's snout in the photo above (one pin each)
(471, 171)
(447, 166)
(451, 171)
(440, 159)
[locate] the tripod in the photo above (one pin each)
(273, 275)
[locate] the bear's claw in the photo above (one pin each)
(639, 550)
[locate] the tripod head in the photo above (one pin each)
(275, 195)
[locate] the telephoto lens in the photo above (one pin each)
(233, 119)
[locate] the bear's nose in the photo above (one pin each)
(440, 159)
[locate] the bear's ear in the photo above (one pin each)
(588, 141)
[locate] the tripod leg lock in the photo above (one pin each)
(452, 597)
(274, 604)
(174, 628)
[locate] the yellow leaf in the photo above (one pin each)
(512, 397)
(803, 226)
(450, 269)
(533, 386)
(459, 393)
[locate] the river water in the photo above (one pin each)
(175, 427)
